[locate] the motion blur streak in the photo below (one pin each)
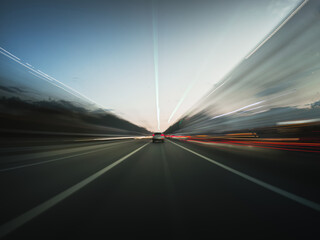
(283, 74)
(225, 114)
(10, 53)
(48, 80)
(46, 76)
(300, 147)
(155, 56)
(180, 101)
(241, 162)
(278, 28)
(215, 89)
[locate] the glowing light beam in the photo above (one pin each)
(180, 102)
(278, 28)
(155, 56)
(237, 110)
(48, 78)
(10, 53)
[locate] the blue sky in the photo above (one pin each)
(105, 50)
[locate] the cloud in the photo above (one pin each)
(315, 105)
(13, 89)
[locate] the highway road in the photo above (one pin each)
(135, 189)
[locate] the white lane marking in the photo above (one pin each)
(34, 212)
(270, 187)
(58, 159)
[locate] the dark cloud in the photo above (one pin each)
(13, 89)
(316, 105)
(62, 116)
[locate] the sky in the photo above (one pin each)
(147, 61)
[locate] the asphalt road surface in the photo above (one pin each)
(135, 189)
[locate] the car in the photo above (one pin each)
(158, 137)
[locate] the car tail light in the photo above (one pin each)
(152, 135)
(162, 135)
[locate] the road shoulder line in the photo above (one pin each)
(301, 200)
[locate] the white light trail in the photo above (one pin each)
(48, 78)
(249, 55)
(180, 102)
(261, 111)
(278, 28)
(42, 73)
(155, 57)
(189, 88)
(225, 114)
(217, 88)
(10, 53)
(251, 109)
(49, 81)
(299, 122)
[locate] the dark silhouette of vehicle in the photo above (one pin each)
(158, 137)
